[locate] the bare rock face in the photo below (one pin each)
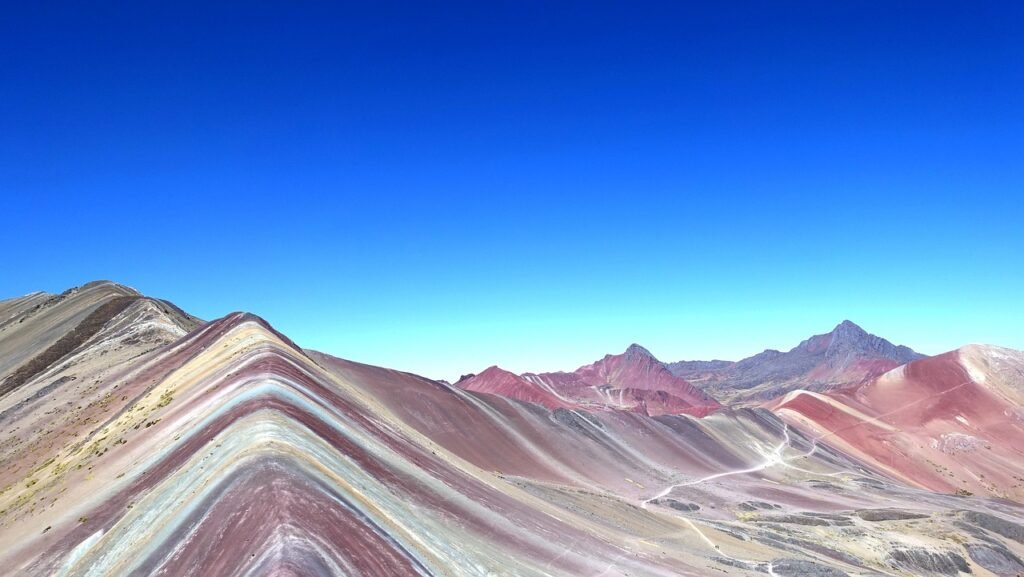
(880, 515)
(919, 560)
(698, 367)
(997, 525)
(849, 340)
(803, 568)
(996, 558)
(846, 355)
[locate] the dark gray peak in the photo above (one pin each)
(636, 352)
(849, 326)
(848, 340)
(848, 331)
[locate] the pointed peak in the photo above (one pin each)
(847, 331)
(494, 371)
(240, 318)
(243, 317)
(849, 326)
(635, 351)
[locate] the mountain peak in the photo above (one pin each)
(846, 354)
(108, 283)
(494, 370)
(848, 325)
(635, 351)
(849, 332)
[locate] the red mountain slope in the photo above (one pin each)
(952, 422)
(632, 381)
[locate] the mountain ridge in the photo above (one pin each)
(226, 449)
(846, 355)
(634, 380)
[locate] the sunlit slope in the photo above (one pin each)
(161, 447)
(951, 423)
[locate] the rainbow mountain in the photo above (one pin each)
(136, 439)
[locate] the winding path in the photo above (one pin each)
(771, 459)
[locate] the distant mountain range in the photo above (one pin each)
(631, 381)
(844, 356)
(636, 381)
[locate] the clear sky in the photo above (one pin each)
(438, 186)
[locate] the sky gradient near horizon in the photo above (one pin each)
(442, 187)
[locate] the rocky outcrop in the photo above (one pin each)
(879, 515)
(921, 561)
(804, 568)
(1009, 529)
(996, 558)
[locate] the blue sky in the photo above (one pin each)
(438, 187)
